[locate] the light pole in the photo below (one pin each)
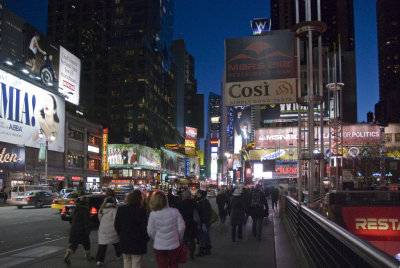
(227, 155)
(51, 139)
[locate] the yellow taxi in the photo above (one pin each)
(67, 199)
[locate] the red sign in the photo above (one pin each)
(373, 223)
(191, 133)
(76, 178)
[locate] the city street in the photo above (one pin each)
(38, 238)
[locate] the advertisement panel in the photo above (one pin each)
(12, 158)
(191, 133)
(173, 163)
(29, 115)
(260, 69)
(69, 76)
(133, 155)
(373, 223)
(104, 163)
(242, 127)
(190, 147)
(270, 154)
(358, 134)
(41, 58)
(194, 166)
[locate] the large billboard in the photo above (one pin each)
(41, 58)
(133, 155)
(260, 69)
(242, 127)
(358, 134)
(173, 163)
(12, 158)
(29, 114)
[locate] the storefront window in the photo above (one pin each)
(75, 161)
(94, 140)
(94, 164)
(397, 137)
(75, 134)
(388, 137)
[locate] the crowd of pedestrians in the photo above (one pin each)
(172, 222)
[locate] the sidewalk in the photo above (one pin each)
(274, 250)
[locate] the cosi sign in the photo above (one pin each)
(260, 69)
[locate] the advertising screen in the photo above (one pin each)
(69, 76)
(191, 133)
(133, 155)
(29, 114)
(242, 127)
(173, 163)
(260, 69)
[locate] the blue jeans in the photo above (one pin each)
(205, 240)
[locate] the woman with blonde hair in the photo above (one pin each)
(166, 226)
(130, 224)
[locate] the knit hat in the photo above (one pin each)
(237, 192)
(186, 194)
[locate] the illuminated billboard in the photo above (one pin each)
(173, 163)
(190, 147)
(191, 133)
(29, 114)
(260, 69)
(242, 127)
(69, 76)
(260, 25)
(133, 155)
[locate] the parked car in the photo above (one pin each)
(67, 199)
(95, 201)
(32, 198)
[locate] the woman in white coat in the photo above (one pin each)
(106, 233)
(166, 226)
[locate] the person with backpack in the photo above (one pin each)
(258, 206)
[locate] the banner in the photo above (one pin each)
(173, 163)
(42, 152)
(29, 114)
(242, 128)
(133, 155)
(260, 69)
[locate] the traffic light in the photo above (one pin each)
(370, 117)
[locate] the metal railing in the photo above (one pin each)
(326, 244)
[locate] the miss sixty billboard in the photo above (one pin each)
(260, 69)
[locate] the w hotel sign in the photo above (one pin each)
(260, 69)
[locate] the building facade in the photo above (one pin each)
(387, 110)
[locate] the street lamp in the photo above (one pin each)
(51, 139)
(228, 156)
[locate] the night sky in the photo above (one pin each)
(206, 24)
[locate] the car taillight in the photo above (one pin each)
(12, 198)
(93, 211)
(71, 202)
(54, 201)
(28, 198)
(63, 210)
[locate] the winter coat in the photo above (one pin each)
(166, 227)
(204, 209)
(107, 234)
(257, 211)
(237, 209)
(130, 224)
(222, 202)
(186, 207)
(80, 228)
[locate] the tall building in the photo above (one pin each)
(339, 17)
(128, 80)
(387, 109)
(188, 102)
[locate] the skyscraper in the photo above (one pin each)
(128, 81)
(339, 17)
(387, 109)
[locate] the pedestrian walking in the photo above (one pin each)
(187, 207)
(171, 199)
(237, 213)
(166, 226)
(130, 225)
(204, 209)
(246, 194)
(274, 198)
(80, 230)
(107, 234)
(259, 204)
(223, 203)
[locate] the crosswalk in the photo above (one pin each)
(28, 255)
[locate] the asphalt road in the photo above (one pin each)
(20, 228)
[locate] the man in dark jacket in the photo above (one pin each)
(171, 198)
(237, 213)
(258, 206)
(223, 203)
(80, 230)
(131, 226)
(204, 209)
(187, 208)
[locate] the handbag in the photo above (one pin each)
(183, 253)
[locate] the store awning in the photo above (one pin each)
(94, 156)
(76, 153)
